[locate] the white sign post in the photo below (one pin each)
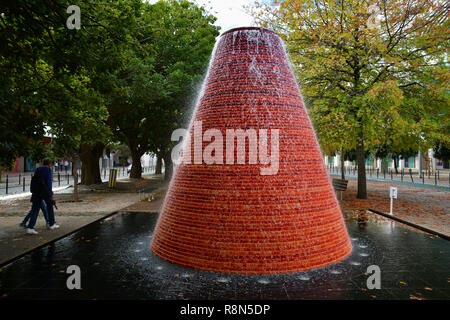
(393, 195)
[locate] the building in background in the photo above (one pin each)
(429, 162)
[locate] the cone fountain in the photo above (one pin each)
(230, 218)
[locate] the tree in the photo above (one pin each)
(376, 76)
(22, 70)
(42, 60)
(79, 119)
(151, 88)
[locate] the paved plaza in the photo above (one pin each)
(116, 262)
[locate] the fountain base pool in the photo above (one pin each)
(116, 263)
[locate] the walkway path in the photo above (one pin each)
(423, 206)
(426, 207)
(96, 203)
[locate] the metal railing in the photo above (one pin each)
(20, 182)
(436, 178)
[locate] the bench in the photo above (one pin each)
(340, 185)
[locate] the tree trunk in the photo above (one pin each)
(168, 166)
(361, 159)
(136, 168)
(342, 166)
(158, 168)
(395, 164)
(90, 170)
(75, 180)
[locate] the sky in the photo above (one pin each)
(229, 13)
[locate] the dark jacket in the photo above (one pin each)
(43, 184)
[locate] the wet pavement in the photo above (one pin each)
(116, 263)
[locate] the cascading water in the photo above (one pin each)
(229, 217)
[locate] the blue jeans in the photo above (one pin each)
(43, 207)
(36, 205)
(51, 213)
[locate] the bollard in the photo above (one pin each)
(392, 176)
(438, 174)
(423, 178)
(393, 195)
(68, 179)
(401, 174)
(112, 178)
(23, 184)
(59, 180)
(378, 172)
(6, 184)
(435, 178)
(384, 174)
(19, 179)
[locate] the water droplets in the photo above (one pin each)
(363, 254)
(335, 271)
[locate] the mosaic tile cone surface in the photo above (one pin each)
(230, 218)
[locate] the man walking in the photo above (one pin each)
(41, 190)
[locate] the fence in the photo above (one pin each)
(16, 183)
(436, 178)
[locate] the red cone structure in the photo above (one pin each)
(230, 218)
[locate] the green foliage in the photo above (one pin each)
(389, 82)
(126, 76)
(150, 91)
(383, 86)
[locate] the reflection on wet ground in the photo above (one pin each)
(116, 263)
